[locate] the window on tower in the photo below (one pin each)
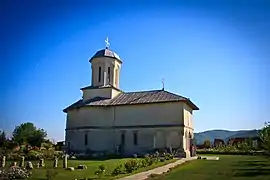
(109, 74)
(99, 74)
(116, 77)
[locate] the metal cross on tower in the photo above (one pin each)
(107, 43)
(163, 83)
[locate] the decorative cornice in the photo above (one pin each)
(128, 127)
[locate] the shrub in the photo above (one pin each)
(15, 172)
(144, 163)
(118, 170)
(264, 135)
(131, 165)
(58, 154)
(47, 154)
(101, 170)
(157, 154)
(149, 160)
(236, 152)
(168, 156)
(162, 159)
(33, 155)
(146, 156)
(11, 156)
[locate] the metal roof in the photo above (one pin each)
(129, 98)
(106, 53)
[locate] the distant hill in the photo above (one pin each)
(223, 134)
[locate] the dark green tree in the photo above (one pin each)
(27, 133)
(249, 142)
(207, 143)
(3, 139)
(264, 135)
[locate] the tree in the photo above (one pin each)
(264, 135)
(3, 139)
(27, 133)
(207, 143)
(37, 138)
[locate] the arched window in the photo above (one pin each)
(99, 74)
(109, 74)
(116, 77)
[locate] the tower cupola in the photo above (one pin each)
(106, 66)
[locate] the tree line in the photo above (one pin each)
(24, 134)
(263, 134)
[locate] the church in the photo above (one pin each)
(109, 120)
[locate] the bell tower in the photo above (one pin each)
(106, 66)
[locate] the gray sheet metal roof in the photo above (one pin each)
(129, 98)
(106, 53)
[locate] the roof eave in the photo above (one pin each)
(118, 60)
(192, 105)
(100, 87)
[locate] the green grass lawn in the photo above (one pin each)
(62, 174)
(228, 167)
(92, 166)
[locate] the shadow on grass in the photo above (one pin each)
(97, 159)
(252, 168)
(252, 172)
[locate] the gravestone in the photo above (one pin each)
(55, 162)
(70, 168)
(82, 166)
(13, 164)
(22, 161)
(29, 165)
(41, 163)
(65, 161)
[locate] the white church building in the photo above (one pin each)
(108, 119)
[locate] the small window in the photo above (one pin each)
(123, 139)
(135, 138)
(99, 74)
(85, 139)
(109, 74)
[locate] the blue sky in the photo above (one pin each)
(216, 53)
